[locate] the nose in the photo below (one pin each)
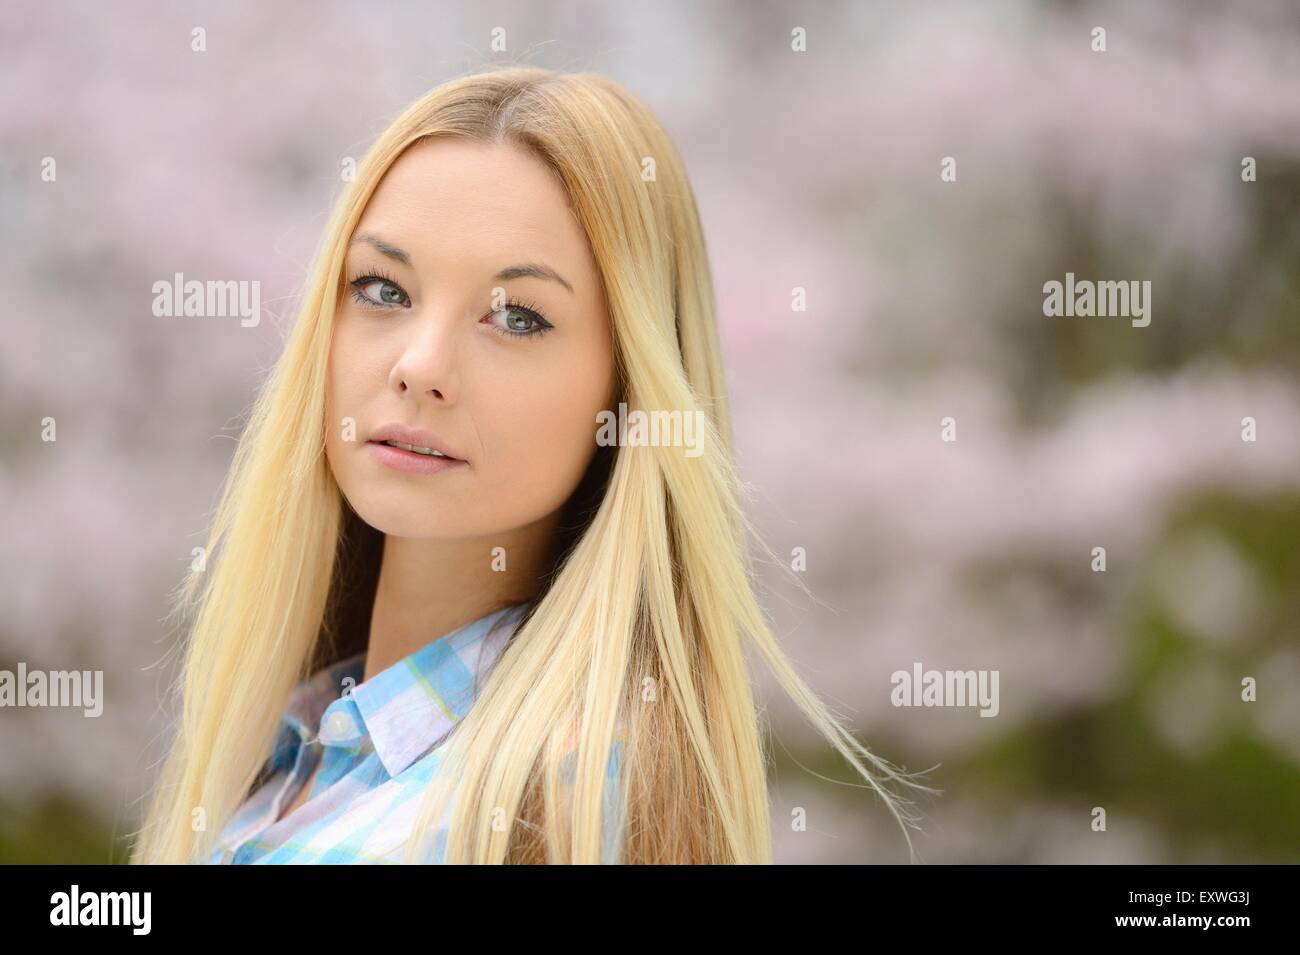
(427, 365)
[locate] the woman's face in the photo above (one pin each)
(472, 311)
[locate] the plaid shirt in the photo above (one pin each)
(377, 748)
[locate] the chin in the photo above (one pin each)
(415, 518)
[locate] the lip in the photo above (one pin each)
(418, 437)
(410, 461)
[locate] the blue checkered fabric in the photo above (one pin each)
(376, 747)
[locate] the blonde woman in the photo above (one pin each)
(446, 618)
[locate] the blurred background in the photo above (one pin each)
(815, 169)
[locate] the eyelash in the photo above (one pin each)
(541, 324)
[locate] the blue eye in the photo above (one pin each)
(388, 295)
(525, 322)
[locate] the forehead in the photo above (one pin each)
(448, 199)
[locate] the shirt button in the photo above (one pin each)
(340, 724)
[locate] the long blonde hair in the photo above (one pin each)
(639, 632)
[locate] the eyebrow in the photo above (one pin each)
(524, 270)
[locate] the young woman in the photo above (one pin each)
(426, 511)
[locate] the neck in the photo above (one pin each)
(428, 588)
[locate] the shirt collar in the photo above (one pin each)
(411, 706)
(307, 704)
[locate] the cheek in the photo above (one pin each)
(541, 442)
(358, 370)
(348, 385)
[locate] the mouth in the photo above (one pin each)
(412, 458)
(431, 452)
